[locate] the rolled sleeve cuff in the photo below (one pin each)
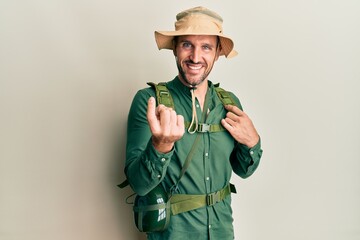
(158, 157)
(253, 154)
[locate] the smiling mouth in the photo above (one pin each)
(194, 67)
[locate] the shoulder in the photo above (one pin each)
(226, 96)
(144, 93)
(140, 99)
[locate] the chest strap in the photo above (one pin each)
(186, 202)
(205, 127)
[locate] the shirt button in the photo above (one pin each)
(206, 154)
(163, 159)
(207, 178)
(197, 105)
(210, 226)
(159, 176)
(251, 152)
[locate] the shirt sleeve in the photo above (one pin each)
(245, 160)
(145, 167)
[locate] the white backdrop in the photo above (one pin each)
(69, 70)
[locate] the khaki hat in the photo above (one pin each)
(197, 21)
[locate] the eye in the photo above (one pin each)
(186, 45)
(207, 47)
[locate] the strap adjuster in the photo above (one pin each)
(213, 198)
(163, 93)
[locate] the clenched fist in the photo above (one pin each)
(165, 125)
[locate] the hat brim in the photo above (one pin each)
(164, 40)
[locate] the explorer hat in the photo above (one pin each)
(196, 21)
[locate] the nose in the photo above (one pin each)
(195, 55)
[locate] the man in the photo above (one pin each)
(160, 138)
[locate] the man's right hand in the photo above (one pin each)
(165, 125)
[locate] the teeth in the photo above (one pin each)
(194, 67)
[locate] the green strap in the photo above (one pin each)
(187, 163)
(163, 95)
(205, 127)
(224, 96)
(186, 202)
(192, 151)
(153, 207)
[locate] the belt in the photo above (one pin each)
(186, 202)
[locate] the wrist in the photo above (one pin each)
(253, 142)
(162, 147)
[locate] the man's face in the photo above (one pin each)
(195, 57)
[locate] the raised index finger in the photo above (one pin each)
(151, 112)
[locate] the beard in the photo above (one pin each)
(192, 82)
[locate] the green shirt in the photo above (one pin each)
(216, 157)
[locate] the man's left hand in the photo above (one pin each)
(240, 126)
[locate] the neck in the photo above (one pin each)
(200, 93)
(200, 90)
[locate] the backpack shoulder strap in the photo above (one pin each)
(163, 95)
(224, 95)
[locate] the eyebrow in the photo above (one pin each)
(202, 43)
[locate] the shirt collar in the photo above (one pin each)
(177, 86)
(176, 83)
